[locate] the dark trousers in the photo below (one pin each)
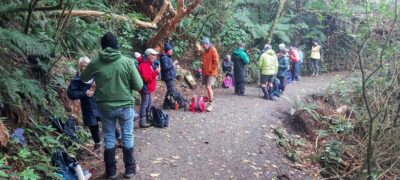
(295, 70)
(315, 66)
(146, 104)
(170, 87)
(283, 82)
(239, 88)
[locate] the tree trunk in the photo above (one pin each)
(277, 16)
(170, 26)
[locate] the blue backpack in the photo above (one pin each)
(159, 118)
(301, 55)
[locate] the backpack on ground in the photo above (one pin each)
(159, 118)
(228, 82)
(197, 104)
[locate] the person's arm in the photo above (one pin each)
(276, 64)
(87, 74)
(136, 81)
(146, 73)
(245, 58)
(215, 62)
(74, 92)
(166, 63)
(286, 62)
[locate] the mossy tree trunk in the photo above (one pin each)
(277, 16)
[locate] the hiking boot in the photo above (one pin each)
(143, 123)
(210, 106)
(97, 148)
(149, 117)
(130, 164)
(111, 164)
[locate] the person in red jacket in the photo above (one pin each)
(149, 73)
(294, 57)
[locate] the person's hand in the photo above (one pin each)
(89, 93)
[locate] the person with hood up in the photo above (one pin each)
(116, 80)
(210, 62)
(149, 73)
(268, 65)
(240, 60)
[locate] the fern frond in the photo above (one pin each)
(21, 43)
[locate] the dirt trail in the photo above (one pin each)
(234, 141)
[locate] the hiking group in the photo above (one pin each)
(105, 87)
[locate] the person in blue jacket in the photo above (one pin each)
(283, 60)
(84, 91)
(168, 75)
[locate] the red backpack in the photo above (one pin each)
(197, 104)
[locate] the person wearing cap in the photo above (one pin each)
(116, 80)
(168, 75)
(240, 60)
(210, 60)
(149, 75)
(268, 64)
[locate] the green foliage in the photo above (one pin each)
(342, 126)
(21, 43)
(332, 153)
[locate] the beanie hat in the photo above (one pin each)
(167, 47)
(205, 41)
(109, 40)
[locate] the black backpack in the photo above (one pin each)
(159, 118)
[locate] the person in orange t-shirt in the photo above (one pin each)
(210, 60)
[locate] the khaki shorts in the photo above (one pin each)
(209, 80)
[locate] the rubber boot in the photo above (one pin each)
(110, 162)
(143, 123)
(266, 94)
(130, 164)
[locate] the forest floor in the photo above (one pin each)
(234, 141)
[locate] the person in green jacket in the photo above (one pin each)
(240, 60)
(268, 65)
(116, 80)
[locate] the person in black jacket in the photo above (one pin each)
(168, 75)
(227, 66)
(84, 91)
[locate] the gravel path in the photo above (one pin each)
(234, 141)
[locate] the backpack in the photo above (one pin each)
(159, 118)
(227, 83)
(301, 55)
(197, 104)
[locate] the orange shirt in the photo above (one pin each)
(210, 60)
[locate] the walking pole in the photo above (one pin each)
(259, 85)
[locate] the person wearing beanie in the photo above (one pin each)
(116, 80)
(240, 60)
(149, 75)
(210, 60)
(168, 75)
